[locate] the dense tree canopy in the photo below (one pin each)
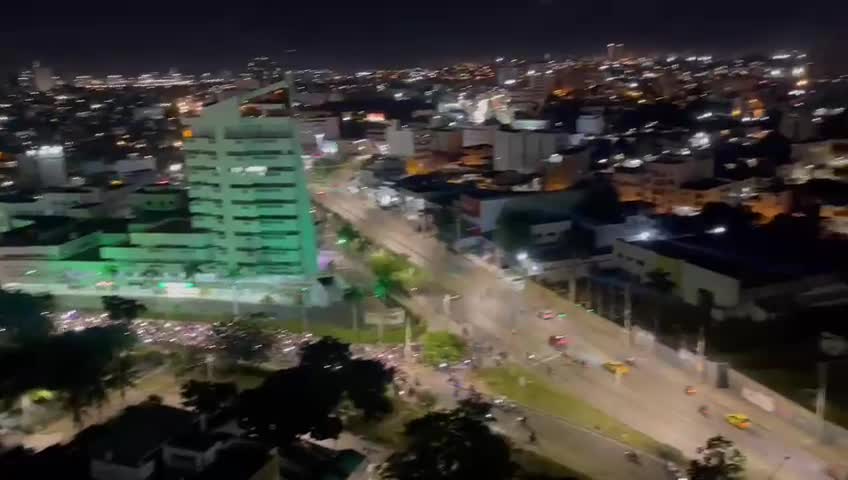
(243, 340)
(720, 460)
(208, 397)
(305, 399)
(442, 347)
(24, 317)
(450, 445)
(122, 309)
(82, 366)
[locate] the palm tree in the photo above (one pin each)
(658, 280)
(354, 296)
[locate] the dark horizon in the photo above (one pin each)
(133, 38)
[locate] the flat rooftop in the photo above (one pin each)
(238, 461)
(736, 259)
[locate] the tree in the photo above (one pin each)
(242, 340)
(291, 402)
(24, 316)
(207, 398)
(366, 381)
(122, 309)
(81, 365)
(450, 445)
(354, 296)
(720, 460)
(347, 235)
(325, 353)
(475, 408)
(191, 269)
(306, 399)
(442, 347)
(385, 267)
(122, 374)
(513, 231)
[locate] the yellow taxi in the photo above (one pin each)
(617, 368)
(738, 420)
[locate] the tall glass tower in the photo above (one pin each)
(247, 185)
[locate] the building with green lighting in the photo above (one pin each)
(248, 188)
(249, 214)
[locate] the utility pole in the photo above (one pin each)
(821, 399)
(628, 320)
(572, 285)
(303, 309)
(701, 349)
(407, 336)
(235, 300)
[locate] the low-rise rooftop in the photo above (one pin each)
(139, 432)
(736, 259)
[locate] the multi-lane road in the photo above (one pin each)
(651, 398)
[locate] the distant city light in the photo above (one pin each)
(700, 140)
(49, 150)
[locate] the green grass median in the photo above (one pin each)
(537, 394)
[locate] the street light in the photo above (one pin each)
(521, 256)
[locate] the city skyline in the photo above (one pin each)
(380, 34)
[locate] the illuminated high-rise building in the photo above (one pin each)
(247, 184)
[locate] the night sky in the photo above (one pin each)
(135, 35)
